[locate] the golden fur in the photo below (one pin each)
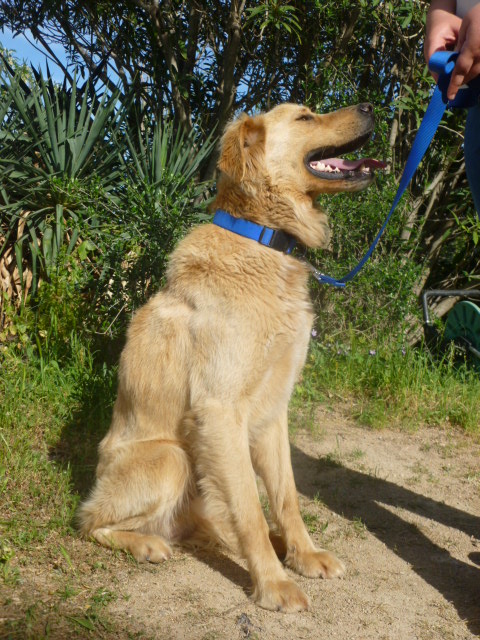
(210, 363)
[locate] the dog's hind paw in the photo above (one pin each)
(281, 595)
(151, 549)
(316, 564)
(143, 547)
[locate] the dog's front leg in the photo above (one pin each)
(271, 458)
(227, 481)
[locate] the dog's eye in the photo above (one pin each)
(305, 117)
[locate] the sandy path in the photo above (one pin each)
(402, 511)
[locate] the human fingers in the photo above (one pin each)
(440, 40)
(468, 45)
(467, 65)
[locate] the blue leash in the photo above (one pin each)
(443, 63)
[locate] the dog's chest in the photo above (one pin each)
(280, 309)
(284, 353)
(285, 357)
(294, 302)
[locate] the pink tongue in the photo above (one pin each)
(351, 165)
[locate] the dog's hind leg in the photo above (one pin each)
(141, 489)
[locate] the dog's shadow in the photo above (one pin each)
(223, 564)
(356, 495)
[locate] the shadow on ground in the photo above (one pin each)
(353, 494)
(224, 565)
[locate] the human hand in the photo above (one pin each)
(442, 29)
(467, 65)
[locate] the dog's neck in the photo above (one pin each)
(273, 207)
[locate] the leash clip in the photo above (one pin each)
(320, 277)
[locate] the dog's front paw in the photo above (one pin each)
(281, 595)
(316, 564)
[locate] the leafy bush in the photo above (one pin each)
(381, 298)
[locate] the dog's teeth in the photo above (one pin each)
(317, 165)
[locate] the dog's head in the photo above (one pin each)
(274, 165)
(292, 145)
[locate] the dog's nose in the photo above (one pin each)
(366, 107)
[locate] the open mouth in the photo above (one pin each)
(325, 163)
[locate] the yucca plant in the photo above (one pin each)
(156, 154)
(53, 141)
(162, 198)
(83, 178)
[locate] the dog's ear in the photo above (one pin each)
(242, 148)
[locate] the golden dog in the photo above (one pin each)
(210, 363)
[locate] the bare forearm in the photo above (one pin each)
(447, 32)
(436, 15)
(467, 66)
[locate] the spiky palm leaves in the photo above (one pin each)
(72, 162)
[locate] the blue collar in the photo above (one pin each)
(278, 240)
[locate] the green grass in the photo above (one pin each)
(53, 412)
(51, 418)
(388, 386)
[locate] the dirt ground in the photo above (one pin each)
(401, 510)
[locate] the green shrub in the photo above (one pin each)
(93, 198)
